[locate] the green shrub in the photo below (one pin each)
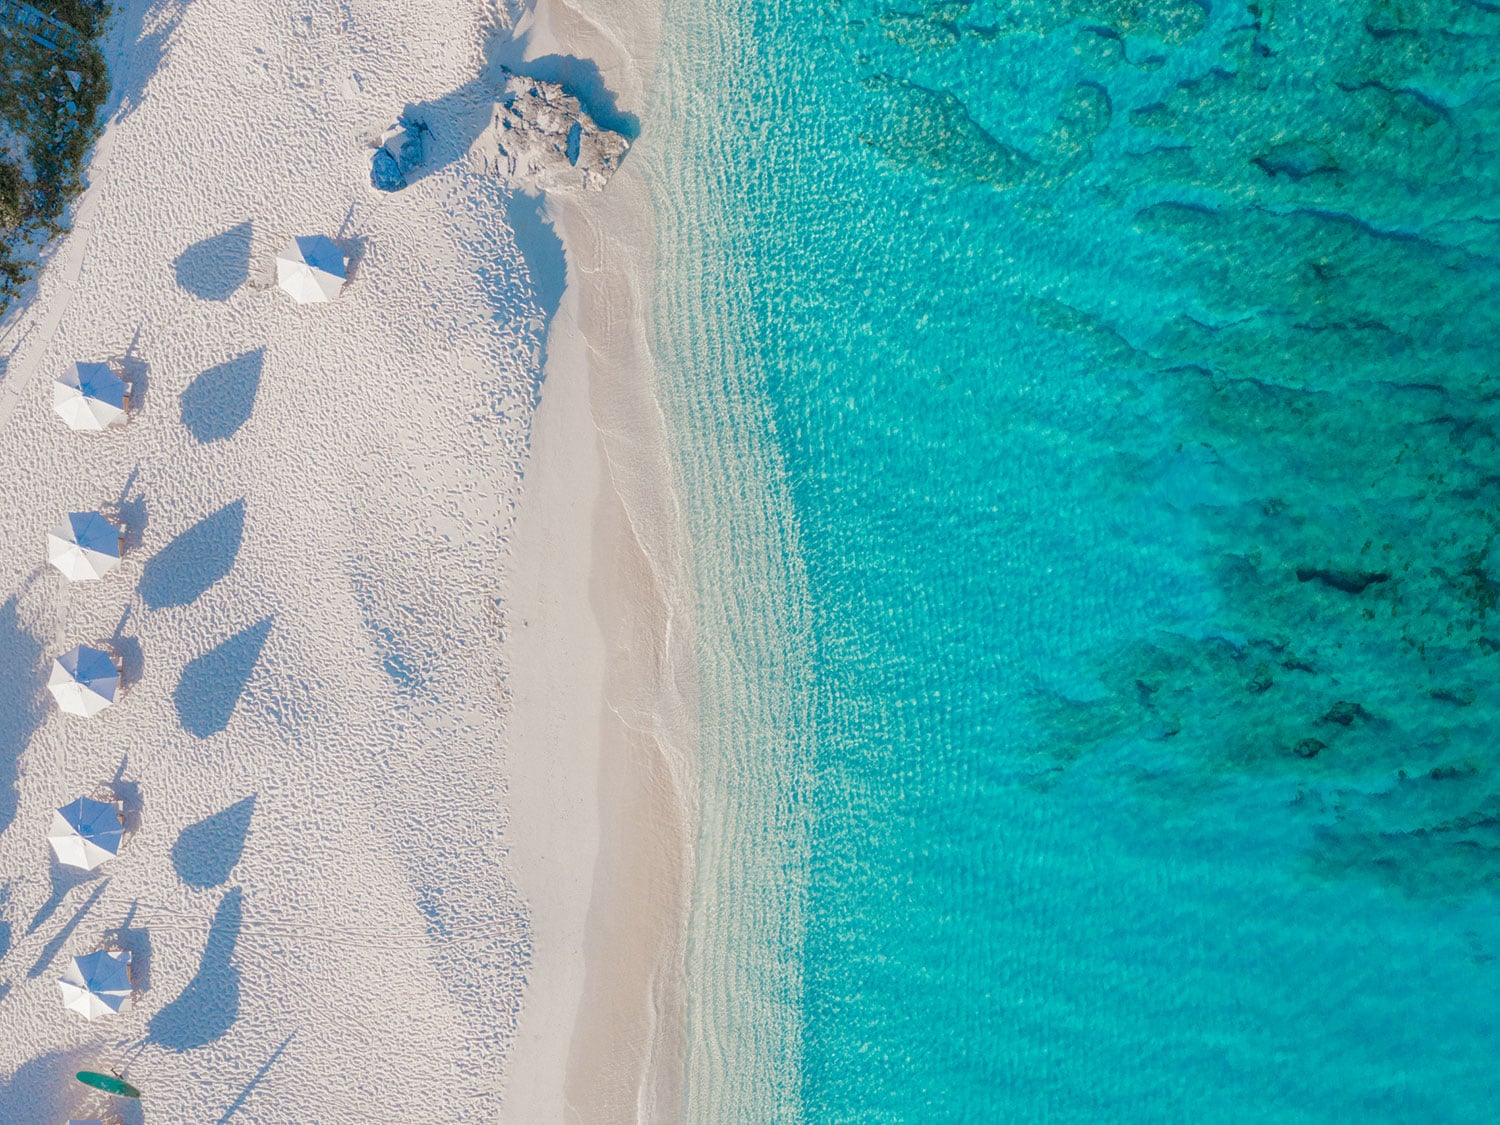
(86, 18)
(10, 196)
(55, 124)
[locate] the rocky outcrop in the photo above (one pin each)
(541, 139)
(1348, 581)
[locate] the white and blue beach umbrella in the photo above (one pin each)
(85, 547)
(84, 681)
(98, 984)
(311, 269)
(86, 833)
(90, 396)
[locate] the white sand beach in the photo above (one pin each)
(407, 729)
(608, 1017)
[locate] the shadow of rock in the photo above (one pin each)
(195, 560)
(542, 250)
(206, 852)
(455, 120)
(579, 77)
(42, 1089)
(210, 1003)
(218, 265)
(54, 947)
(400, 658)
(212, 684)
(20, 706)
(218, 402)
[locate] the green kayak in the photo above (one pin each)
(108, 1083)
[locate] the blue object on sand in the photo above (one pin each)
(400, 151)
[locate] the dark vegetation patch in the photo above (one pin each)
(50, 102)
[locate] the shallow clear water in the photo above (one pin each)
(1100, 696)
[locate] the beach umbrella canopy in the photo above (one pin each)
(85, 546)
(90, 396)
(97, 984)
(86, 833)
(311, 269)
(84, 681)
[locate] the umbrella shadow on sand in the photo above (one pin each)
(210, 1003)
(137, 940)
(64, 879)
(128, 793)
(195, 560)
(259, 1076)
(211, 684)
(205, 853)
(130, 511)
(42, 1089)
(20, 709)
(135, 371)
(127, 650)
(54, 947)
(219, 400)
(214, 267)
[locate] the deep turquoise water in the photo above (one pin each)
(1123, 380)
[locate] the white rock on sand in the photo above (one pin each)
(541, 139)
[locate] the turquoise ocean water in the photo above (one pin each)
(1089, 424)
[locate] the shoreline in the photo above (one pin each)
(600, 591)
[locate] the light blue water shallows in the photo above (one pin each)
(1130, 371)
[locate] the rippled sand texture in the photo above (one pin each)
(318, 502)
(1130, 373)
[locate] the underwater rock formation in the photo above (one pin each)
(1316, 335)
(541, 139)
(934, 130)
